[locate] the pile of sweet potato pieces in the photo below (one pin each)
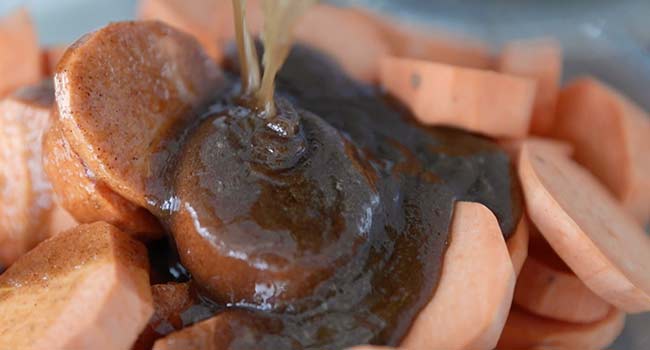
(578, 261)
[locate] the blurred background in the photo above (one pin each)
(608, 39)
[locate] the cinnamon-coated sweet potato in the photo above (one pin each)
(86, 288)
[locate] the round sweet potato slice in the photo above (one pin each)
(547, 287)
(20, 56)
(86, 198)
(518, 244)
(477, 278)
(587, 227)
(122, 90)
(25, 193)
(525, 331)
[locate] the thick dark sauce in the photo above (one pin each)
(331, 223)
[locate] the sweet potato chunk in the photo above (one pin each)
(588, 229)
(20, 56)
(25, 193)
(485, 102)
(525, 331)
(477, 278)
(548, 288)
(611, 136)
(117, 106)
(540, 60)
(87, 198)
(86, 288)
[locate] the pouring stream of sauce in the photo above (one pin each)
(316, 212)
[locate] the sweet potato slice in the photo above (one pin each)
(430, 44)
(25, 193)
(50, 58)
(477, 278)
(524, 331)
(176, 306)
(60, 220)
(203, 19)
(20, 56)
(87, 198)
(611, 136)
(547, 287)
(541, 60)
(513, 147)
(440, 94)
(518, 244)
(587, 228)
(213, 25)
(86, 288)
(117, 106)
(339, 32)
(231, 328)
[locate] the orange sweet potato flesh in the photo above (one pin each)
(315, 28)
(87, 198)
(203, 19)
(513, 146)
(526, 331)
(229, 327)
(86, 288)
(477, 277)
(540, 60)
(484, 102)
(611, 137)
(429, 44)
(20, 55)
(602, 243)
(548, 288)
(169, 301)
(50, 58)
(117, 106)
(25, 194)
(518, 244)
(211, 22)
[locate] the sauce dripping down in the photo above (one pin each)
(318, 206)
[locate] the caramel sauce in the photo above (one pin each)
(321, 207)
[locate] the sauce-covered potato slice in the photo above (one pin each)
(118, 105)
(477, 277)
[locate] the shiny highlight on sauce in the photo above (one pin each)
(320, 222)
